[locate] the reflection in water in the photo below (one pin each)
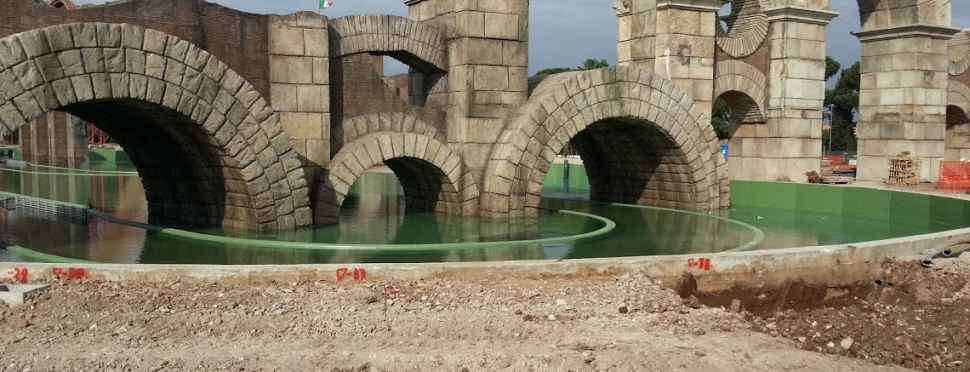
(373, 214)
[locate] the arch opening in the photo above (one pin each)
(209, 150)
(188, 179)
(631, 161)
(431, 175)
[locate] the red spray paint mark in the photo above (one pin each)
(358, 273)
(391, 289)
(69, 273)
(699, 263)
(20, 274)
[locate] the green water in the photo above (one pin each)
(373, 216)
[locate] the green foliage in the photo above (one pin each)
(843, 100)
(589, 64)
(720, 115)
(832, 67)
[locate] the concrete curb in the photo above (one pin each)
(825, 265)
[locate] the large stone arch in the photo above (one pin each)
(394, 122)
(419, 45)
(643, 141)
(742, 86)
(433, 176)
(208, 148)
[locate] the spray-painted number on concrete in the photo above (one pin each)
(69, 273)
(357, 273)
(19, 274)
(699, 263)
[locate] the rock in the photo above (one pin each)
(21, 323)
(846, 343)
(561, 302)
(802, 339)
(700, 353)
(623, 309)
(736, 306)
(552, 317)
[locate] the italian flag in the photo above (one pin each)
(324, 4)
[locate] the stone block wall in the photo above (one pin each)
(54, 139)
(360, 89)
(300, 85)
(903, 94)
(792, 145)
(487, 48)
(957, 142)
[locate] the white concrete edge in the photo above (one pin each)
(844, 263)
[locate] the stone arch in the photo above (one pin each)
(643, 140)
(747, 28)
(434, 177)
(394, 122)
(742, 86)
(208, 148)
(958, 103)
(958, 49)
(418, 45)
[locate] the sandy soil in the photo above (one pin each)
(602, 323)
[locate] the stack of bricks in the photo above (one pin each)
(300, 85)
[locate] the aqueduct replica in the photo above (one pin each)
(264, 122)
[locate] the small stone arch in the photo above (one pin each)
(418, 45)
(208, 148)
(615, 113)
(958, 49)
(958, 103)
(742, 86)
(394, 122)
(434, 177)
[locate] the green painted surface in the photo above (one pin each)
(376, 229)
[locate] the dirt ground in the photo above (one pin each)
(912, 317)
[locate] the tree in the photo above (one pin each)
(588, 64)
(843, 102)
(720, 119)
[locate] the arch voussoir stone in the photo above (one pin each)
(433, 175)
(88, 68)
(628, 109)
(743, 87)
(418, 44)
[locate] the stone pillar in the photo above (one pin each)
(791, 140)
(636, 37)
(675, 38)
(299, 71)
(487, 77)
(903, 94)
(684, 46)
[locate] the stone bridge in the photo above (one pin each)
(264, 122)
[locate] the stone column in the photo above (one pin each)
(487, 77)
(791, 140)
(684, 46)
(903, 95)
(636, 37)
(299, 71)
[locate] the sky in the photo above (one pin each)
(565, 33)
